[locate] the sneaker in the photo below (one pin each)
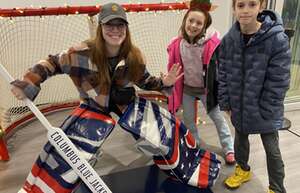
(271, 191)
(240, 176)
(229, 158)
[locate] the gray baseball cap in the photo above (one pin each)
(111, 11)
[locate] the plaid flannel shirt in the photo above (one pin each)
(84, 74)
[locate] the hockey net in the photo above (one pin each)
(30, 34)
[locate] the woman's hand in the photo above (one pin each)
(19, 94)
(24, 89)
(172, 76)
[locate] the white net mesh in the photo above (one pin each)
(26, 40)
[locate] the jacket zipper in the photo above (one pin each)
(243, 86)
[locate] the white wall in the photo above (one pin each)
(221, 16)
(279, 6)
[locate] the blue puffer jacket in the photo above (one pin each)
(254, 78)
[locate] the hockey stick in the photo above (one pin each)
(71, 154)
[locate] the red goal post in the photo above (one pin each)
(30, 34)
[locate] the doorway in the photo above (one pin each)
(291, 20)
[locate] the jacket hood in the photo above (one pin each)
(271, 25)
(210, 32)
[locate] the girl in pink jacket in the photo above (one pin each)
(194, 50)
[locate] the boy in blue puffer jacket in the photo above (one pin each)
(254, 76)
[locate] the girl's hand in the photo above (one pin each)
(172, 76)
(19, 94)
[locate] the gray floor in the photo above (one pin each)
(119, 154)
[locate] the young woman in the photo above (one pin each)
(254, 76)
(103, 70)
(194, 50)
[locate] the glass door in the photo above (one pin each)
(291, 20)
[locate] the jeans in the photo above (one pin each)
(275, 163)
(215, 115)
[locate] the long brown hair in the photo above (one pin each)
(128, 51)
(207, 23)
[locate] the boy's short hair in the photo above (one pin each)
(234, 1)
